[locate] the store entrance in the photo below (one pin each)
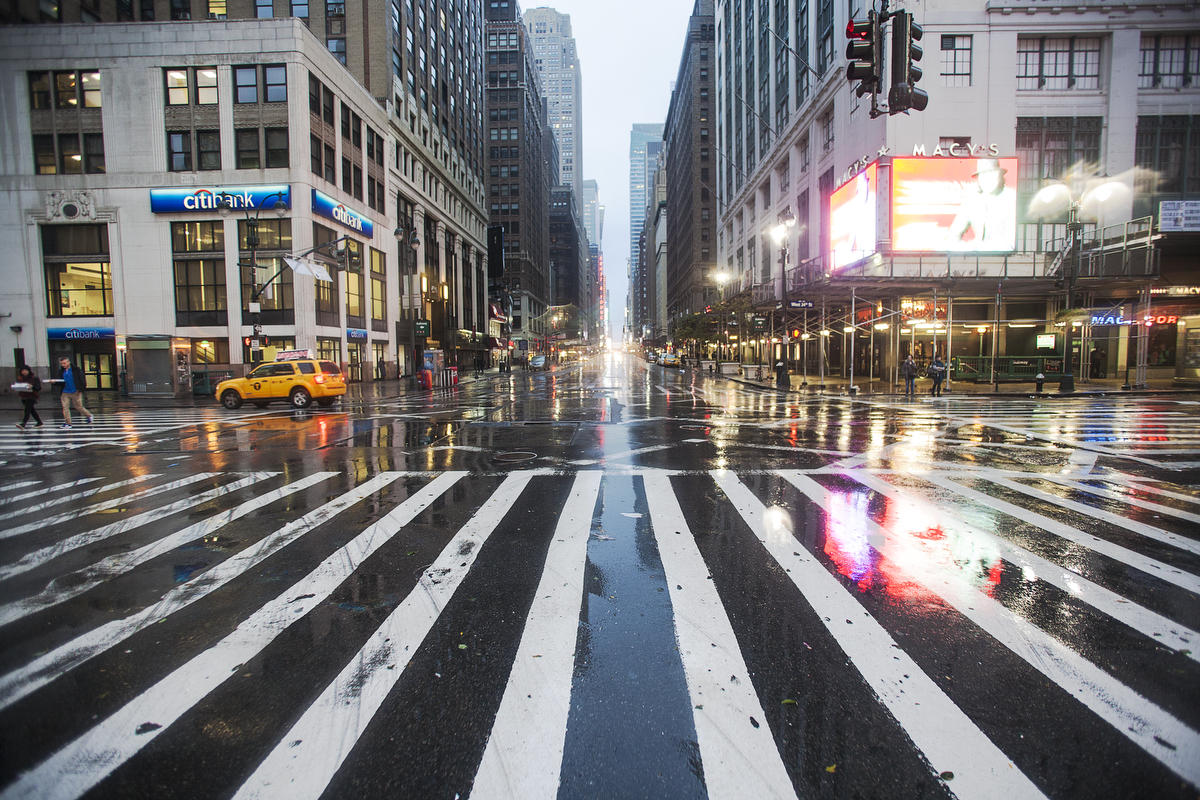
(97, 358)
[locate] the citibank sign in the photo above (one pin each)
(208, 198)
(326, 206)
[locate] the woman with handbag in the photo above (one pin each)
(29, 396)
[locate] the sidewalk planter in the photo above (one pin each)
(731, 368)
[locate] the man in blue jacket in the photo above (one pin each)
(73, 384)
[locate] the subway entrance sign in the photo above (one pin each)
(422, 327)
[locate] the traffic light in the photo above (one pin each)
(906, 52)
(863, 53)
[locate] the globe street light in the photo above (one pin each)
(721, 277)
(277, 202)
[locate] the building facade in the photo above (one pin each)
(1086, 96)
(557, 62)
(645, 143)
(690, 136)
(522, 169)
(129, 265)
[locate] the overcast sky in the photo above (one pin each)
(629, 53)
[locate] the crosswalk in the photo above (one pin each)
(121, 428)
(541, 633)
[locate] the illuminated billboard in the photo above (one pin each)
(852, 218)
(954, 205)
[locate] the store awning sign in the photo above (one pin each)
(1118, 319)
(356, 334)
(327, 207)
(185, 199)
(80, 333)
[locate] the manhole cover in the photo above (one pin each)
(514, 457)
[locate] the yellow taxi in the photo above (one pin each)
(294, 376)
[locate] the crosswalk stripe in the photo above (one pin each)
(84, 762)
(309, 754)
(1146, 622)
(49, 504)
(945, 735)
(1149, 531)
(46, 554)
(1122, 498)
(524, 751)
(1153, 729)
(50, 489)
(66, 587)
(722, 709)
(45, 668)
(1150, 566)
(17, 485)
(1143, 485)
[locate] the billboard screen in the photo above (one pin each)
(852, 218)
(954, 205)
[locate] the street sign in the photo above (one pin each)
(800, 304)
(422, 327)
(255, 344)
(758, 323)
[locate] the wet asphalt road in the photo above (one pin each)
(608, 580)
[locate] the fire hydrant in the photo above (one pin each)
(1041, 379)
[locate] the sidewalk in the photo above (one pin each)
(864, 386)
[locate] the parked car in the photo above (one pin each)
(297, 380)
(538, 363)
(669, 360)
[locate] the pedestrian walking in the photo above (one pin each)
(937, 371)
(909, 371)
(29, 396)
(380, 369)
(73, 384)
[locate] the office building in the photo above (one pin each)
(561, 82)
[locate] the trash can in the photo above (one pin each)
(425, 378)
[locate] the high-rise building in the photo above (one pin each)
(420, 167)
(522, 169)
(645, 139)
(558, 67)
(593, 212)
(1016, 101)
(690, 136)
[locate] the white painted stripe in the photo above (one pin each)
(1144, 484)
(45, 555)
(1150, 566)
(524, 752)
(49, 666)
(50, 504)
(1121, 497)
(1146, 622)
(1159, 733)
(305, 760)
(64, 588)
(945, 736)
(84, 762)
(50, 489)
(739, 759)
(1149, 531)
(18, 485)
(587, 462)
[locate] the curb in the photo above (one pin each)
(840, 392)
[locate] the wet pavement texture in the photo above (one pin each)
(606, 580)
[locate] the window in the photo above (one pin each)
(210, 351)
(338, 48)
(70, 156)
(326, 105)
(1058, 64)
(300, 9)
(378, 289)
(827, 131)
(39, 90)
(357, 186)
(181, 9)
(246, 148)
(198, 252)
(1169, 62)
(330, 165)
(44, 160)
(66, 90)
(347, 176)
(354, 297)
(1170, 146)
(93, 153)
(76, 268)
(178, 93)
(275, 83)
(956, 61)
(277, 148)
(272, 238)
(326, 291)
(206, 86)
(314, 96)
(208, 150)
(263, 9)
(179, 151)
(180, 80)
(216, 9)
(245, 84)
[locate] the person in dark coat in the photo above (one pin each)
(29, 397)
(908, 370)
(937, 371)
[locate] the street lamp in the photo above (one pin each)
(407, 234)
(277, 202)
(781, 233)
(722, 277)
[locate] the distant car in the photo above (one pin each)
(669, 360)
(299, 381)
(538, 362)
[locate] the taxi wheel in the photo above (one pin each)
(300, 398)
(231, 399)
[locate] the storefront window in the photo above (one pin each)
(378, 290)
(326, 291)
(77, 271)
(354, 296)
(329, 349)
(210, 351)
(1161, 352)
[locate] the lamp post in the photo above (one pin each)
(407, 234)
(721, 277)
(226, 205)
(781, 234)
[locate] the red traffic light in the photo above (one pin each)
(858, 29)
(246, 341)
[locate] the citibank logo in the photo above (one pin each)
(347, 217)
(208, 198)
